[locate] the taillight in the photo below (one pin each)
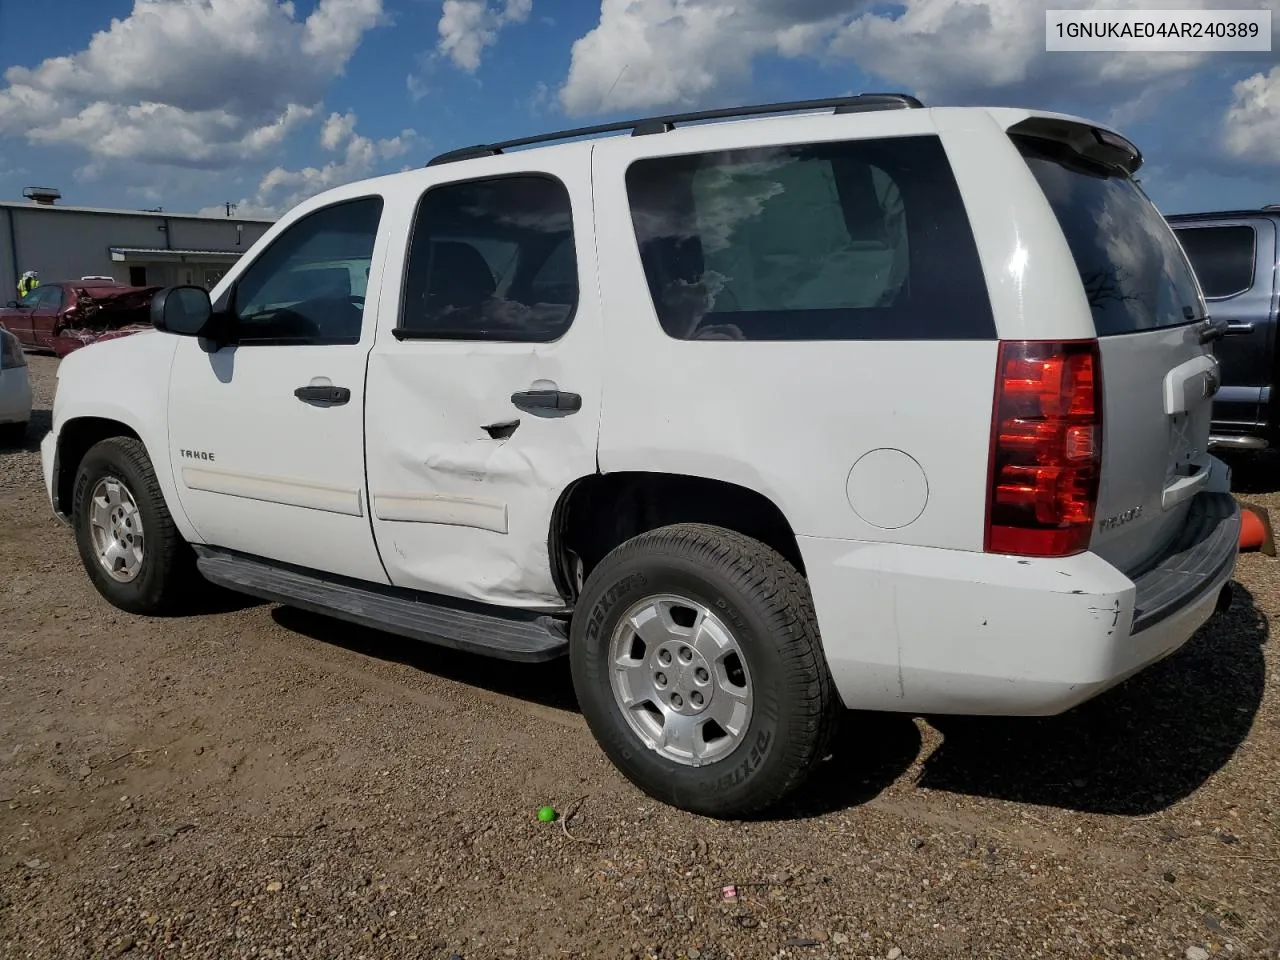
(1046, 448)
(11, 354)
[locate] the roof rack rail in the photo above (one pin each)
(858, 103)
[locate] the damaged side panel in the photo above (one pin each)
(465, 458)
(456, 511)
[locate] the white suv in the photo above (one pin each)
(858, 405)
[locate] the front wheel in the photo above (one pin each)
(698, 666)
(127, 540)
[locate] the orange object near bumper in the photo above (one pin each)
(1255, 529)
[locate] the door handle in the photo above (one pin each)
(1212, 330)
(1235, 329)
(323, 396)
(534, 401)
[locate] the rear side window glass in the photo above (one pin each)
(1223, 258)
(491, 260)
(859, 240)
(1131, 265)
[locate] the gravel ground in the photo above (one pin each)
(257, 782)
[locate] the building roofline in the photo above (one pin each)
(110, 212)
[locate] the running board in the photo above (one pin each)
(491, 631)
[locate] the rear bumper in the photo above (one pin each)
(923, 630)
(1198, 562)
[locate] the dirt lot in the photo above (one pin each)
(257, 782)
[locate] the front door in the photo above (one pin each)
(17, 319)
(484, 382)
(267, 433)
(49, 303)
(1234, 260)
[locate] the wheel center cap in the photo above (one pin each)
(682, 678)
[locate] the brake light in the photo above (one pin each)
(1046, 448)
(11, 354)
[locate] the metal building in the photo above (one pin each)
(132, 246)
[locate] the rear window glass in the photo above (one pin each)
(492, 259)
(840, 241)
(1223, 258)
(1132, 268)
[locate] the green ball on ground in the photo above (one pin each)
(547, 814)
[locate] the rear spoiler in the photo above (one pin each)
(1095, 143)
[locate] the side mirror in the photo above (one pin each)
(12, 304)
(185, 311)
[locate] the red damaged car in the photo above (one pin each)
(66, 315)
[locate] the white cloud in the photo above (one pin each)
(539, 99)
(1252, 124)
(357, 157)
(203, 83)
(416, 86)
(967, 50)
(466, 27)
(649, 52)
(646, 53)
(338, 129)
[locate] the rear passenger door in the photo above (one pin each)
(1235, 262)
(485, 379)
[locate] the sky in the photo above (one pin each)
(190, 104)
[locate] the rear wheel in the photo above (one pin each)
(698, 667)
(127, 540)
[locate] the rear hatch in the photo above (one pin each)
(1158, 378)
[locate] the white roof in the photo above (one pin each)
(690, 132)
(1005, 116)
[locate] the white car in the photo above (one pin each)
(859, 404)
(15, 391)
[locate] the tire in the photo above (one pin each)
(755, 596)
(13, 434)
(163, 568)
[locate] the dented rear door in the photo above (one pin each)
(484, 383)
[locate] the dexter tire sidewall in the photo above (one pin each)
(729, 786)
(142, 594)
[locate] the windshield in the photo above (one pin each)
(1132, 267)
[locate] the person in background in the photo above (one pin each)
(30, 280)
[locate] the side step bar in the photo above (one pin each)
(491, 631)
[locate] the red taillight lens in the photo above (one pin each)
(1046, 448)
